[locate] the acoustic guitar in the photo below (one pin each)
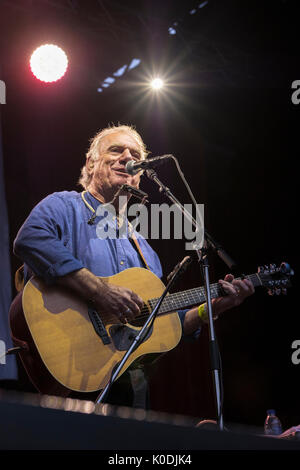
(66, 345)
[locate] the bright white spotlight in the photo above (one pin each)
(48, 63)
(157, 83)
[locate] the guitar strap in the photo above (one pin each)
(137, 245)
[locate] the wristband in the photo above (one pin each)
(202, 313)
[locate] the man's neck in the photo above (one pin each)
(96, 195)
(110, 199)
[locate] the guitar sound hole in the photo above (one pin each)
(140, 320)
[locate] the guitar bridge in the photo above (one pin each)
(98, 325)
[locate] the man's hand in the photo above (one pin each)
(121, 302)
(237, 290)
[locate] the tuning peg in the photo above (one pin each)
(274, 291)
(273, 268)
(284, 291)
(285, 268)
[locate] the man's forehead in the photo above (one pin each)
(119, 138)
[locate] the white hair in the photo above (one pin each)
(93, 151)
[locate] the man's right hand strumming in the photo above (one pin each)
(118, 301)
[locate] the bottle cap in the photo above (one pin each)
(271, 412)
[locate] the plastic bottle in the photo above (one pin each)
(272, 425)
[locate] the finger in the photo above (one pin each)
(133, 298)
(229, 278)
(122, 318)
(242, 286)
(250, 285)
(137, 299)
(135, 309)
(127, 313)
(228, 287)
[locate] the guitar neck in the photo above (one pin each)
(196, 296)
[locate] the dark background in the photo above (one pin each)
(228, 117)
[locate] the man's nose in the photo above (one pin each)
(125, 156)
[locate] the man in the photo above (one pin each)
(57, 243)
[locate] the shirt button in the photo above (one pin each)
(121, 262)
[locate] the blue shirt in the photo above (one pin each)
(56, 240)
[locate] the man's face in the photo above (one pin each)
(108, 171)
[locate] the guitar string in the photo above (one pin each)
(193, 297)
(216, 290)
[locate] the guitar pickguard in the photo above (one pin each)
(123, 336)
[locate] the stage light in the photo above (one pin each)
(157, 84)
(48, 63)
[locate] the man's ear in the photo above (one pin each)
(90, 165)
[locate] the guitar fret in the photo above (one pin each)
(187, 298)
(196, 295)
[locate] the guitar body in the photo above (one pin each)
(65, 352)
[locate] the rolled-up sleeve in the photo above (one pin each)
(42, 240)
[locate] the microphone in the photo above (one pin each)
(133, 167)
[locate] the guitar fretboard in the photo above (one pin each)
(195, 296)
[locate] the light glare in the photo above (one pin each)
(48, 63)
(157, 83)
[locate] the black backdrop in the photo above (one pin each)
(228, 117)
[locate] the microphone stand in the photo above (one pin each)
(209, 239)
(179, 268)
(204, 266)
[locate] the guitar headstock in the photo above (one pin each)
(276, 279)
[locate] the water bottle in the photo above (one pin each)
(272, 425)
